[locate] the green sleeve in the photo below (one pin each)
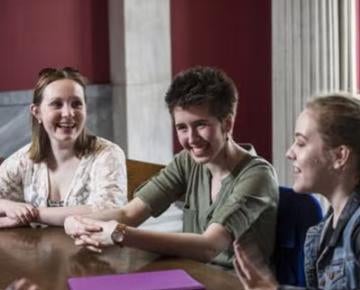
(166, 187)
(255, 192)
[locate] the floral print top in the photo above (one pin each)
(100, 179)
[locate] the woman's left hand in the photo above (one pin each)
(252, 275)
(96, 240)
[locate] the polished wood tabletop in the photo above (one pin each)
(48, 257)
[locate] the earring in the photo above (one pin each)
(39, 121)
(226, 137)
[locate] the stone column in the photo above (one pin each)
(140, 73)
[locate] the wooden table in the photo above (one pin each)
(48, 257)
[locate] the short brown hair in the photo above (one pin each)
(40, 143)
(203, 85)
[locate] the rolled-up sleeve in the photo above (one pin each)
(254, 193)
(165, 188)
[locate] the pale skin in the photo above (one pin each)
(204, 136)
(317, 168)
(22, 284)
(62, 112)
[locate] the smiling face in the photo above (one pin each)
(62, 111)
(200, 133)
(312, 159)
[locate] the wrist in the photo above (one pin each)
(118, 234)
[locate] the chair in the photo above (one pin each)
(296, 213)
(138, 172)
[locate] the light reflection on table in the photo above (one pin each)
(48, 257)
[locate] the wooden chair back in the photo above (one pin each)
(138, 172)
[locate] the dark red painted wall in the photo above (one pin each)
(42, 33)
(235, 36)
(358, 43)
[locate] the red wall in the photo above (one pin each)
(235, 36)
(42, 33)
(230, 34)
(358, 44)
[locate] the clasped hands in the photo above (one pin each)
(17, 213)
(89, 233)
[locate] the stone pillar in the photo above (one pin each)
(140, 73)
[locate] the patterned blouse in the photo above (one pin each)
(100, 179)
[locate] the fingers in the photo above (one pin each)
(87, 240)
(246, 266)
(79, 241)
(240, 274)
(242, 262)
(252, 272)
(22, 284)
(88, 244)
(19, 216)
(76, 226)
(34, 212)
(24, 219)
(84, 231)
(236, 244)
(89, 233)
(24, 213)
(94, 249)
(7, 222)
(92, 228)
(21, 219)
(85, 226)
(90, 224)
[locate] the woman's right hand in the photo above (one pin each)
(22, 212)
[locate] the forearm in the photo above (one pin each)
(107, 214)
(132, 214)
(55, 216)
(187, 245)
